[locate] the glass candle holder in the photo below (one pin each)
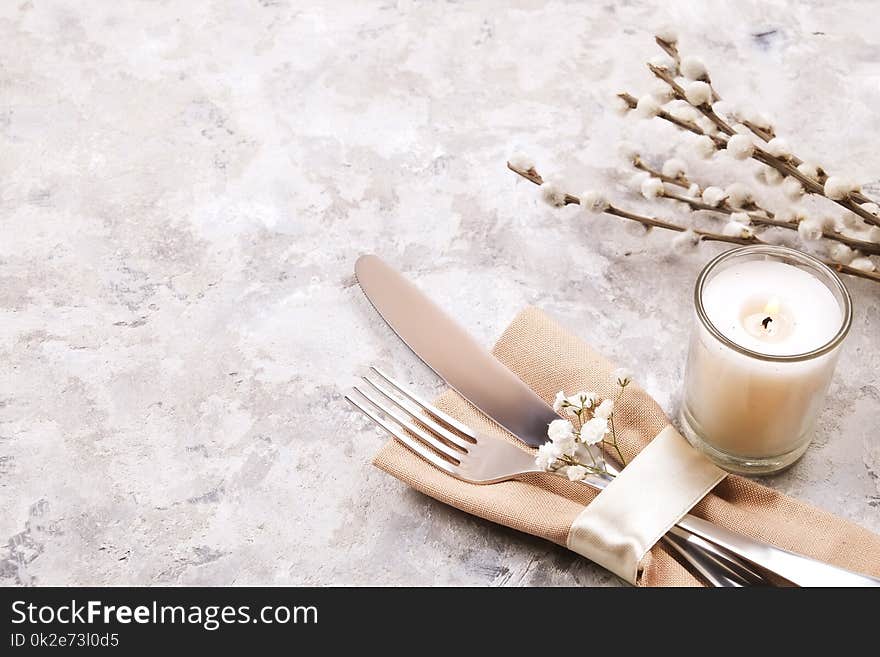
(768, 325)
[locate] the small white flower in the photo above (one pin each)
(693, 68)
(713, 196)
(619, 106)
(547, 455)
(582, 400)
(593, 201)
(841, 253)
(674, 168)
(862, 264)
(741, 218)
(809, 170)
(594, 430)
(770, 176)
(652, 188)
(560, 402)
(667, 33)
(837, 187)
(704, 146)
(605, 409)
(576, 472)
(792, 188)
(871, 208)
(738, 195)
(622, 376)
(736, 229)
(778, 147)
(647, 106)
(552, 194)
(740, 147)
(685, 242)
(559, 430)
(810, 229)
(698, 93)
(694, 191)
(521, 161)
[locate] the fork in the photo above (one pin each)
(722, 556)
(462, 453)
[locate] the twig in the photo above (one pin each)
(785, 166)
(652, 222)
(757, 214)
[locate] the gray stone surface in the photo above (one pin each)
(184, 188)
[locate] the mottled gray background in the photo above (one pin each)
(184, 188)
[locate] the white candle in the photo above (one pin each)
(743, 405)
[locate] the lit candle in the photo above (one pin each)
(762, 356)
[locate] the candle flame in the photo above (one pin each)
(772, 307)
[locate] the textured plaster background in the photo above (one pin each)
(184, 189)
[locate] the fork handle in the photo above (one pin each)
(796, 568)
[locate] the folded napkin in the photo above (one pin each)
(549, 359)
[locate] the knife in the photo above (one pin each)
(446, 348)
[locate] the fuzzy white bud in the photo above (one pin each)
(704, 146)
(810, 229)
(647, 106)
(792, 188)
(778, 147)
(741, 218)
(738, 195)
(521, 161)
(808, 170)
(698, 93)
(736, 229)
(694, 191)
(593, 201)
(707, 125)
(674, 168)
(683, 111)
(552, 194)
(662, 91)
(667, 33)
(662, 61)
(841, 253)
(693, 68)
(713, 196)
(770, 176)
(837, 188)
(741, 129)
(740, 147)
(863, 263)
(636, 180)
(619, 106)
(652, 188)
(685, 242)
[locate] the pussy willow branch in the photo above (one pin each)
(652, 222)
(785, 166)
(757, 215)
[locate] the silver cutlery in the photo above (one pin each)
(458, 450)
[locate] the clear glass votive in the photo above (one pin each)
(769, 323)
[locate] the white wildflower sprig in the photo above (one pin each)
(574, 443)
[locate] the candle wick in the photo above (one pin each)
(766, 321)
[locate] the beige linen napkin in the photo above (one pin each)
(550, 359)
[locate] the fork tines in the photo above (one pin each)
(441, 439)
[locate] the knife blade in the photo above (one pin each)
(452, 353)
